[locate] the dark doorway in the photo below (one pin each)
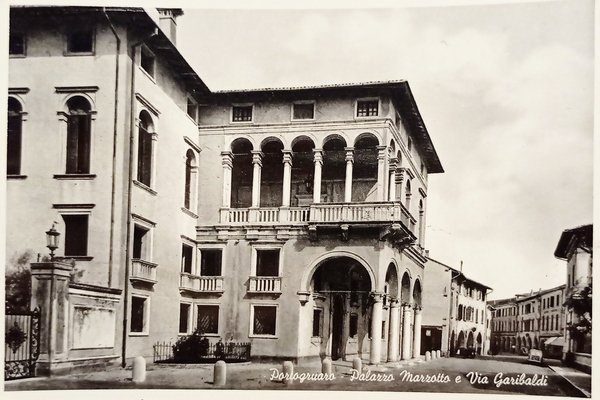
(431, 338)
(337, 328)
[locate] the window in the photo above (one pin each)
(76, 235)
(353, 325)
(367, 108)
(303, 111)
(147, 61)
(13, 142)
(144, 161)
(267, 262)
(81, 41)
(141, 243)
(184, 317)
(317, 322)
(79, 121)
(264, 320)
(383, 329)
(16, 44)
(190, 178)
(139, 314)
(242, 113)
(208, 319)
(192, 109)
(187, 253)
(210, 262)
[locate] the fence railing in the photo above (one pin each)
(143, 270)
(201, 283)
(228, 351)
(265, 284)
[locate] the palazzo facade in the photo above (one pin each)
(292, 218)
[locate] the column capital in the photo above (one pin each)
(406, 306)
(394, 302)
(393, 164)
(417, 308)
(381, 152)
(227, 159)
(318, 156)
(287, 156)
(377, 296)
(349, 154)
(257, 156)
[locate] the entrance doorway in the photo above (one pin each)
(337, 327)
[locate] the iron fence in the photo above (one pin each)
(21, 344)
(229, 352)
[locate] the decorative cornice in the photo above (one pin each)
(76, 89)
(87, 206)
(147, 104)
(18, 90)
(193, 145)
(143, 219)
(422, 192)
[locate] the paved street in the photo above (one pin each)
(257, 376)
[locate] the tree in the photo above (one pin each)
(18, 283)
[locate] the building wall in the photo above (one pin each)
(436, 298)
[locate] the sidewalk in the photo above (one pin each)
(579, 379)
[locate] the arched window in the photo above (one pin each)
(460, 312)
(190, 178)
(408, 195)
(144, 160)
(13, 143)
(79, 121)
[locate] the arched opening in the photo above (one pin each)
(334, 169)
(14, 139)
(271, 176)
(480, 343)
(536, 344)
(191, 171)
(470, 340)
(417, 293)
(519, 343)
(302, 171)
(529, 342)
(79, 126)
(513, 344)
(452, 343)
(364, 175)
(241, 173)
(461, 340)
(459, 317)
(405, 289)
(342, 286)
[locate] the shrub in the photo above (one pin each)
(192, 348)
(18, 284)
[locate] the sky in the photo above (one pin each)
(505, 90)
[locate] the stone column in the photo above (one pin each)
(376, 318)
(392, 181)
(406, 319)
(256, 172)
(318, 160)
(287, 178)
(50, 292)
(227, 162)
(349, 164)
(394, 333)
(417, 333)
(381, 157)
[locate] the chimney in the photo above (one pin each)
(167, 23)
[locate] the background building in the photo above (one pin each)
(455, 310)
(504, 325)
(575, 247)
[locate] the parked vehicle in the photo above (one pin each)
(464, 352)
(535, 356)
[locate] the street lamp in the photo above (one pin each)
(52, 240)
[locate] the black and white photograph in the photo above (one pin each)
(327, 197)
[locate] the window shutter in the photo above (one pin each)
(72, 143)
(83, 149)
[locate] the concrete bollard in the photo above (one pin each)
(288, 369)
(357, 364)
(427, 356)
(438, 354)
(433, 355)
(220, 373)
(326, 367)
(138, 373)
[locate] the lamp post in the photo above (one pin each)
(52, 240)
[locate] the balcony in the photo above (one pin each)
(201, 284)
(265, 284)
(142, 271)
(323, 213)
